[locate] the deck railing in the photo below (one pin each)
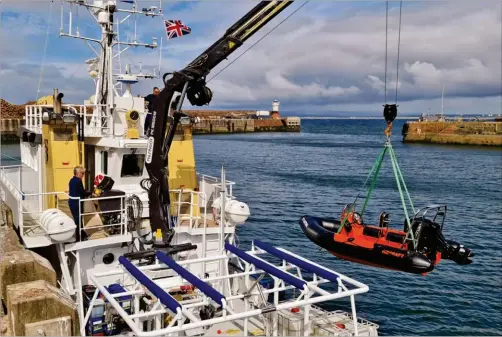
(97, 224)
(191, 208)
(195, 203)
(216, 182)
(94, 124)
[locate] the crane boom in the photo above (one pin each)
(190, 82)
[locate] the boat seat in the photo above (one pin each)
(383, 220)
(330, 225)
(372, 231)
(395, 237)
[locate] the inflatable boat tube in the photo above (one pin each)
(369, 245)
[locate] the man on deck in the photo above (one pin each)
(150, 99)
(76, 190)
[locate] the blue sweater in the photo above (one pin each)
(76, 188)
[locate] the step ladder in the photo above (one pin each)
(212, 248)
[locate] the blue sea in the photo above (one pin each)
(282, 176)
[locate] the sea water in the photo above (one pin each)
(282, 176)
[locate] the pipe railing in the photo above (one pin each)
(311, 293)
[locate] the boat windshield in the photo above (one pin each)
(435, 213)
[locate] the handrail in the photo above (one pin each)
(201, 196)
(10, 166)
(215, 179)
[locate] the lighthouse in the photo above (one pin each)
(275, 110)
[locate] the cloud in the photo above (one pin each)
(351, 50)
(328, 56)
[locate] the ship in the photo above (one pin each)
(103, 274)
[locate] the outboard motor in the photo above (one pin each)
(454, 251)
(110, 206)
(431, 240)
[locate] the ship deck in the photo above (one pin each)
(244, 306)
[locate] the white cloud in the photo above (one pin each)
(330, 55)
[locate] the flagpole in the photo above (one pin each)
(160, 57)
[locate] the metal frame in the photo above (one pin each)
(435, 210)
(138, 282)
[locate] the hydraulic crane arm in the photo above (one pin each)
(191, 81)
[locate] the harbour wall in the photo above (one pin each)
(8, 129)
(453, 132)
(218, 126)
(215, 126)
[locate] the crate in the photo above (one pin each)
(291, 323)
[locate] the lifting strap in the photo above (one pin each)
(375, 169)
(376, 166)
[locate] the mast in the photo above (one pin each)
(106, 15)
(442, 102)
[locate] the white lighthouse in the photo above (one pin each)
(275, 106)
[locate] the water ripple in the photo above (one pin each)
(283, 176)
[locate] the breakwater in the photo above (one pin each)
(453, 132)
(8, 129)
(216, 126)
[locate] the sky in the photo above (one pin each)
(325, 59)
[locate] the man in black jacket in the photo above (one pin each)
(150, 99)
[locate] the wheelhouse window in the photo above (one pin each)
(132, 165)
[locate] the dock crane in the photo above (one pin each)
(167, 115)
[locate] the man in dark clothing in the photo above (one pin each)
(150, 99)
(76, 190)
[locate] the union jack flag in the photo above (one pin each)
(176, 28)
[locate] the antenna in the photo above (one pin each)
(160, 58)
(106, 14)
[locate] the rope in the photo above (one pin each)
(254, 44)
(393, 155)
(398, 47)
(45, 51)
(395, 167)
(380, 162)
(386, 38)
(376, 165)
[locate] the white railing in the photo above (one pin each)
(31, 209)
(215, 182)
(94, 123)
(197, 201)
(7, 173)
(326, 314)
(102, 223)
(236, 306)
(33, 117)
(28, 207)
